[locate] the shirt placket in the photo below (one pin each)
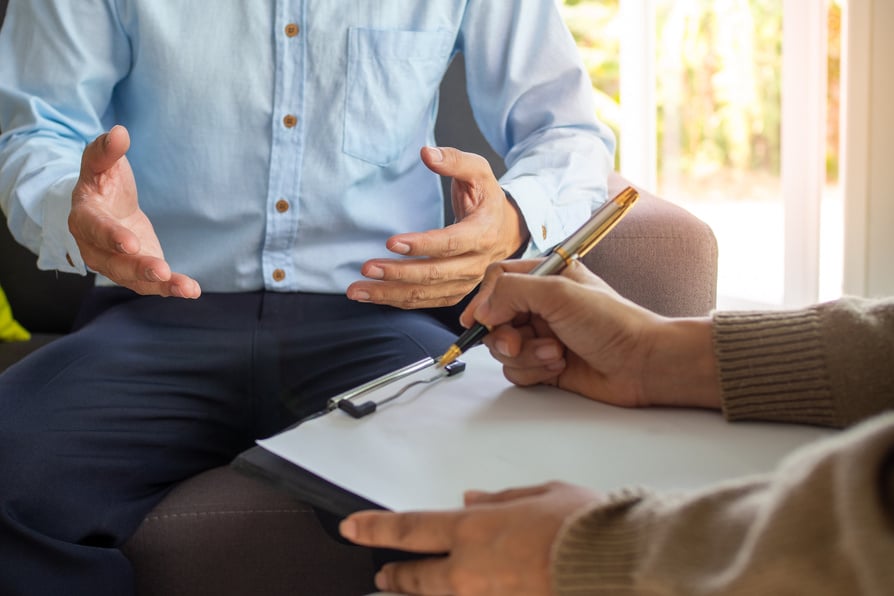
(286, 153)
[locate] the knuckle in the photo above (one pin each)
(416, 296)
(451, 154)
(415, 584)
(449, 300)
(435, 273)
(405, 579)
(453, 246)
(404, 527)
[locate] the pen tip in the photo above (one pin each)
(449, 356)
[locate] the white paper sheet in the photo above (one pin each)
(479, 431)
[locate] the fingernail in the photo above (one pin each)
(381, 580)
(375, 273)
(400, 248)
(502, 347)
(348, 529)
(151, 275)
(359, 296)
(547, 353)
(556, 367)
(177, 292)
(436, 154)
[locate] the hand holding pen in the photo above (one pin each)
(573, 248)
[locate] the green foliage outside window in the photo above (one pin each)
(719, 76)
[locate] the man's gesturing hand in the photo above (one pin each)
(453, 260)
(115, 237)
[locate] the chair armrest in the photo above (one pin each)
(660, 256)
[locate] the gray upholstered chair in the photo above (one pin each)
(223, 533)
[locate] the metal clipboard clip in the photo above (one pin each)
(347, 401)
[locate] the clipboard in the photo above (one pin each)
(478, 431)
(359, 402)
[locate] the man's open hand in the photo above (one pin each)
(115, 237)
(451, 261)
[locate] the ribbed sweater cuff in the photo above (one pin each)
(764, 356)
(597, 550)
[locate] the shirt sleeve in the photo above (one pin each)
(828, 364)
(823, 523)
(533, 100)
(59, 62)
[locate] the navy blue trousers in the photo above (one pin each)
(98, 426)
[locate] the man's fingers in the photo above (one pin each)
(179, 286)
(124, 268)
(429, 532)
(183, 286)
(409, 296)
(453, 163)
(451, 241)
(422, 271)
(102, 231)
(165, 289)
(105, 151)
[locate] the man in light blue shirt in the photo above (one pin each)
(272, 171)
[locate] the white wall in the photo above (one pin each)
(868, 172)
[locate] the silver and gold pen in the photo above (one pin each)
(574, 247)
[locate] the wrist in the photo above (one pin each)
(681, 369)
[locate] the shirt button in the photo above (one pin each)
(282, 205)
(289, 121)
(543, 231)
(292, 30)
(279, 275)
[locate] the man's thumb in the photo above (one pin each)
(447, 161)
(105, 151)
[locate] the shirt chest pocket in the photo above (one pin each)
(392, 79)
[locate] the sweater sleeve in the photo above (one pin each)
(829, 364)
(823, 523)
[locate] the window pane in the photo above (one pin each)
(719, 116)
(718, 66)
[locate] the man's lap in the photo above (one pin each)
(148, 391)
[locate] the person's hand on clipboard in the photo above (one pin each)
(499, 544)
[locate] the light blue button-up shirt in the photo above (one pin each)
(275, 142)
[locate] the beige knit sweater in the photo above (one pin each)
(822, 523)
